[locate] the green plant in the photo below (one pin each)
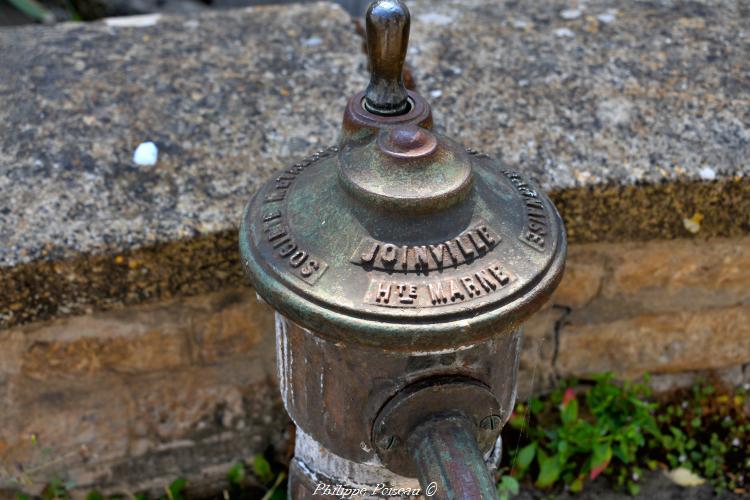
(707, 431)
(34, 10)
(571, 440)
(176, 489)
(236, 474)
(580, 432)
(507, 487)
(273, 481)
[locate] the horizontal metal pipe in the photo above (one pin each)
(449, 462)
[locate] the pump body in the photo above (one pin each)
(402, 266)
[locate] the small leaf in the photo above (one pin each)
(549, 470)
(569, 412)
(34, 10)
(276, 492)
(633, 488)
(525, 456)
(600, 459)
(508, 486)
(236, 473)
(517, 422)
(177, 488)
(569, 396)
(577, 485)
(262, 469)
(535, 405)
(94, 495)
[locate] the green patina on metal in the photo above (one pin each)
(450, 462)
(399, 236)
(303, 233)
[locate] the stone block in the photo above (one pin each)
(85, 345)
(714, 266)
(582, 281)
(236, 330)
(663, 343)
(536, 370)
(659, 277)
(151, 338)
(50, 427)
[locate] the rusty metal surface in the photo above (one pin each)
(429, 399)
(449, 461)
(319, 469)
(334, 390)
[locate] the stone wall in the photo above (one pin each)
(128, 400)
(668, 308)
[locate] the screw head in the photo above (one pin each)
(387, 442)
(491, 423)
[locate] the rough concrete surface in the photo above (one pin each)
(634, 116)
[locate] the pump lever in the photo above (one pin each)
(387, 24)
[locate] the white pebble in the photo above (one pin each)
(312, 41)
(141, 21)
(570, 14)
(564, 32)
(694, 227)
(146, 154)
(707, 173)
(606, 18)
(436, 93)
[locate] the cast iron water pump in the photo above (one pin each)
(401, 266)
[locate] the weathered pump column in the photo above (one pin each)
(401, 266)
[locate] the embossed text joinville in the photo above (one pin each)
(467, 246)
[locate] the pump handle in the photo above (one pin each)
(387, 23)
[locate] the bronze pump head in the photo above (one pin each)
(401, 266)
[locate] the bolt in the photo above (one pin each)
(491, 423)
(387, 442)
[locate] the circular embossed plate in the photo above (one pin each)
(350, 267)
